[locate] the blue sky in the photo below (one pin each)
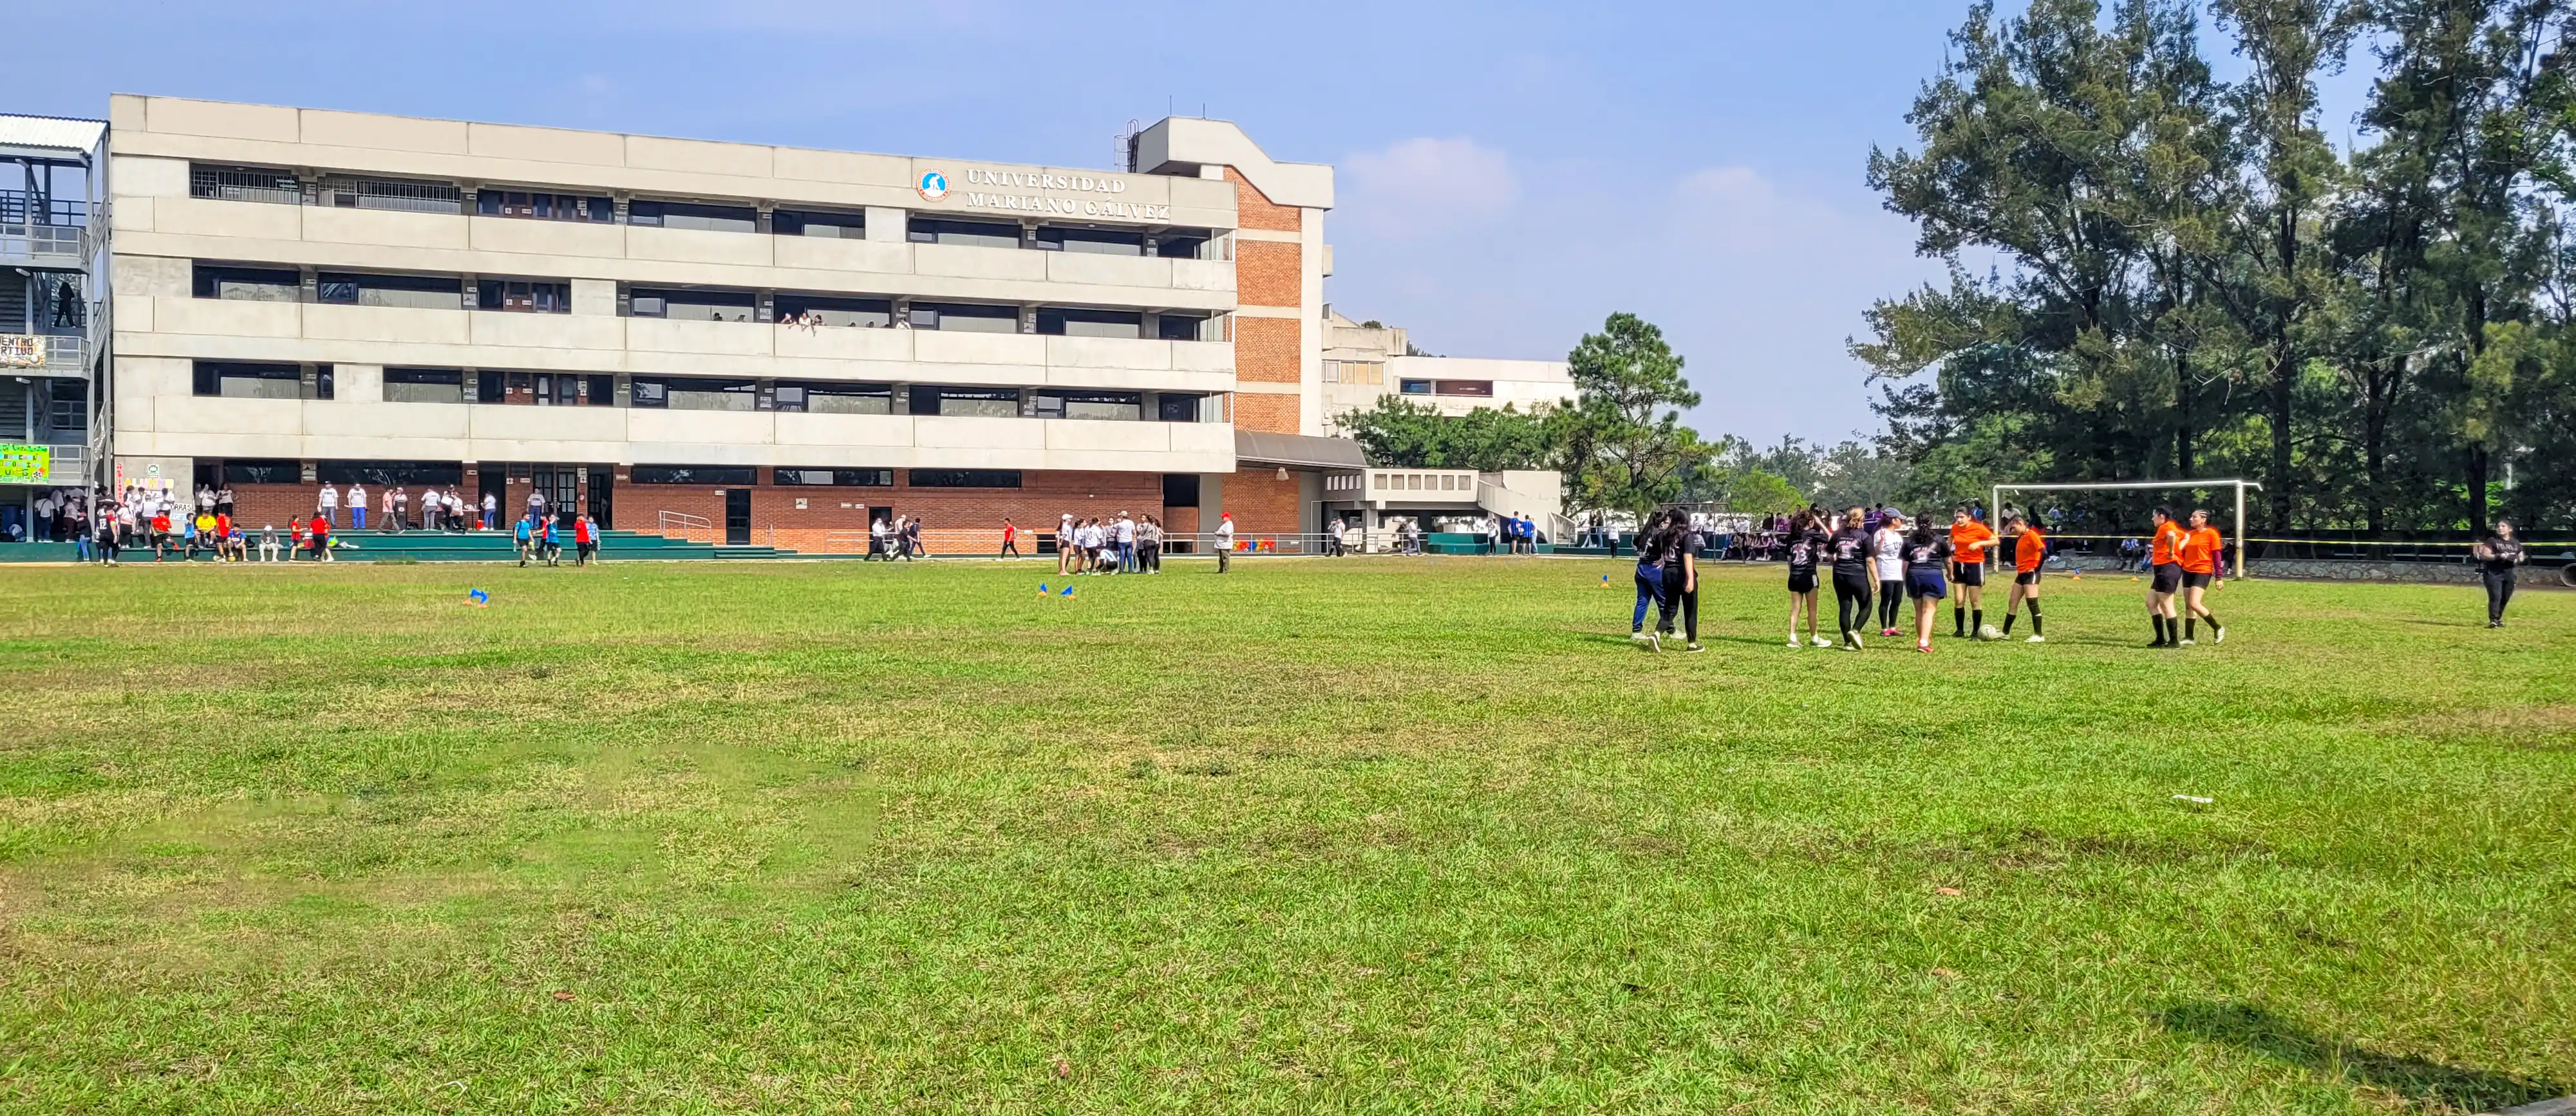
(1510, 173)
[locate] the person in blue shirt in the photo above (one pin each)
(527, 530)
(553, 550)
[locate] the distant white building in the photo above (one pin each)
(1366, 361)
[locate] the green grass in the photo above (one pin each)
(1355, 836)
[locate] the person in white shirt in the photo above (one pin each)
(455, 511)
(1064, 545)
(357, 505)
(1887, 553)
(397, 508)
(1224, 540)
(45, 517)
(1126, 544)
(491, 511)
(268, 543)
(328, 504)
(430, 508)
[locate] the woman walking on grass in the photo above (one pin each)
(1849, 548)
(1803, 541)
(1681, 579)
(1926, 553)
(1887, 553)
(2497, 555)
(1650, 580)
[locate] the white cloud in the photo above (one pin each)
(1421, 186)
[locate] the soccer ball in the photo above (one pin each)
(1988, 632)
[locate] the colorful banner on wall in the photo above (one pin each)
(26, 464)
(22, 350)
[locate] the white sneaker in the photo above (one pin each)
(1820, 641)
(2189, 642)
(1654, 641)
(1793, 637)
(2036, 639)
(2217, 634)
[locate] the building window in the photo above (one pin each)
(694, 394)
(1182, 244)
(1090, 323)
(1180, 327)
(735, 476)
(973, 234)
(410, 195)
(536, 206)
(965, 478)
(251, 184)
(1116, 406)
(692, 304)
(390, 474)
(1180, 490)
(871, 313)
(692, 215)
(263, 472)
(835, 398)
(524, 296)
(1102, 242)
(967, 402)
(1416, 387)
(418, 292)
(1482, 389)
(424, 385)
(249, 381)
(67, 405)
(247, 284)
(817, 222)
(1177, 406)
(956, 317)
(837, 478)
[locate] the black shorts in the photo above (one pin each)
(2168, 577)
(1925, 584)
(1802, 581)
(2197, 580)
(2026, 577)
(1965, 574)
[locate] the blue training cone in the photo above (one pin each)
(1068, 591)
(479, 598)
(1042, 589)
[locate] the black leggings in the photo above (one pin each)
(1676, 597)
(1851, 601)
(2499, 593)
(1890, 595)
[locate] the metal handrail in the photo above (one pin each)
(685, 521)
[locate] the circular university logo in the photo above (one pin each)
(933, 186)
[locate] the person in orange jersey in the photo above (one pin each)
(2165, 558)
(2203, 556)
(2028, 546)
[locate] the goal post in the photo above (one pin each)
(2236, 483)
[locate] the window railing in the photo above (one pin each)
(250, 184)
(18, 207)
(402, 194)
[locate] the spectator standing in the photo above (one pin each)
(357, 506)
(45, 516)
(224, 499)
(1224, 540)
(429, 508)
(491, 511)
(1065, 546)
(1127, 544)
(537, 503)
(393, 511)
(326, 504)
(455, 510)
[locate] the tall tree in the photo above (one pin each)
(1623, 442)
(2273, 290)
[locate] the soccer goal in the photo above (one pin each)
(2238, 485)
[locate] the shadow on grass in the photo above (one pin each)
(2264, 1033)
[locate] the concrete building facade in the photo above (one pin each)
(749, 342)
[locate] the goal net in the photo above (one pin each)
(2122, 510)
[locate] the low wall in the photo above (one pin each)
(2346, 569)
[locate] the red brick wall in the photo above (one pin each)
(1276, 414)
(953, 520)
(1254, 209)
(1267, 273)
(1260, 502)
(1266, 350)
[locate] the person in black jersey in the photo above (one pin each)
(1652, 538)
(1926, 553)
(1681, 579)
(2497, 555)
(1803, 543)
(1849, 548)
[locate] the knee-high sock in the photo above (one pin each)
(2191, 627)
(2034, 617)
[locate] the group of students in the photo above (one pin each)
(1883, 559)
(540, 539)
(1126, 544)
(448, 510)
(898, 537)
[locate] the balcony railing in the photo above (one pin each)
(21, 242)
(47, 353)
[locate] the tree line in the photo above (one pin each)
(2158, 273)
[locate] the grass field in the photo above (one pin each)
(1369, 835)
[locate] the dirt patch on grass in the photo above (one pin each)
(2542, 727)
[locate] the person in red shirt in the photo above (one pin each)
(160, 534)
(2028, 547)
(2202, 556)
(322, 538)
(585, 541)
(1969, 540)
(224, 537)
(2166, 558)
(1010, 542)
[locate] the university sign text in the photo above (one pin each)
(1102, 200)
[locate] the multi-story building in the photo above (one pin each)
(1365, 362)
(763, 343)
(50, 266)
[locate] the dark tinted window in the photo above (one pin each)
(735, 475)
(965, 478)
(844, 478)
(263, 472)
